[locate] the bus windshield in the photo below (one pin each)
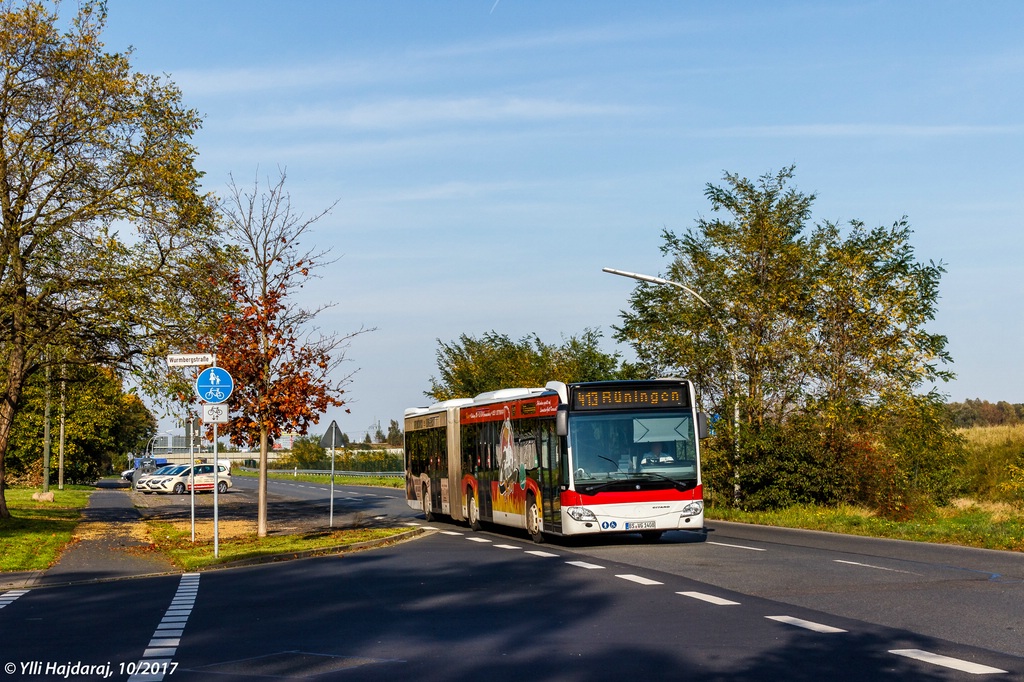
(654, 447)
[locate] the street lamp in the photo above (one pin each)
(732, 354)
(150, 446)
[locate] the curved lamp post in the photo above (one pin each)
(152, 441)
(732, 354)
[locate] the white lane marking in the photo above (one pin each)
(167, 636)
(879, 568)
(583, 564)
(478, 539)
(507, 547)
(801, 623)
(947, 662)
(9, 596)
(638, 579)
(537, 552)
(165, 641)
(725, 544)
(717, 601)
(451, 532)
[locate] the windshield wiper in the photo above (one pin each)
(633, 479)
(688, 484)
(590, 488)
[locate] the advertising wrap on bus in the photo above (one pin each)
(587, 458)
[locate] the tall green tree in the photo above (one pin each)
(395, 435)
(106, 242)
(102, 424)
(470, 366)
(306, 453)
(823, 322)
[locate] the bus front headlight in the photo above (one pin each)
(581, 514)
(693, 508)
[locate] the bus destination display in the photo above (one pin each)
(629, 398)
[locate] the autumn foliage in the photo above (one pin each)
(280, 384)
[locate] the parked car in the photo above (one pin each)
(180, 482)
(145, 480)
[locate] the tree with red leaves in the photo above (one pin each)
(282, 364)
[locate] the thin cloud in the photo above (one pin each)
(404, 114)
(863, 130)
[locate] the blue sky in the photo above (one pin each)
(489, 158)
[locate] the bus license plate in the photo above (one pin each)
(637, 525)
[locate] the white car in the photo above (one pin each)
(180, 482)
(142, 485)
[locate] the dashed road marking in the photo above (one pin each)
(540, 553)
(452, 532)
(583, 564)
(9, 596)
(711, 599)
(725, 544)
(806, 624)
(638, 579)
(167, 637)
(878, 568)
(947, 662)
(916, 654)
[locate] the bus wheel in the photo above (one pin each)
(533, 520)
(651, 535)
(428, 509)
(474, 512)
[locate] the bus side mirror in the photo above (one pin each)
(562, 421)
(702, 425)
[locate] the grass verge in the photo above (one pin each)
(965, 522)
(174, 540)
(33, 538)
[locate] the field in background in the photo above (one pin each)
(989, 513)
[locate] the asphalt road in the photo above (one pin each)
(968, 596)
(749, 604)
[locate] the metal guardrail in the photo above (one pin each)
(327, 472)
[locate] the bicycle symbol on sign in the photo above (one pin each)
(214, 385)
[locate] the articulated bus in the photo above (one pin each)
(566, 459)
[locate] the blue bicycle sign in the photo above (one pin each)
(214, 385)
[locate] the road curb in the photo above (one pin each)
(19, 580)
(322, 551)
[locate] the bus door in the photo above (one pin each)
(550, 476)
(451, 492)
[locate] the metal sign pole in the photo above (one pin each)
(332, 482)
(216, 467)
(192, 471)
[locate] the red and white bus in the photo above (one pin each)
(566, 459)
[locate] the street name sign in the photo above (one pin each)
(190, 359)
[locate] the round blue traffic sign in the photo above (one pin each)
(214, 385)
